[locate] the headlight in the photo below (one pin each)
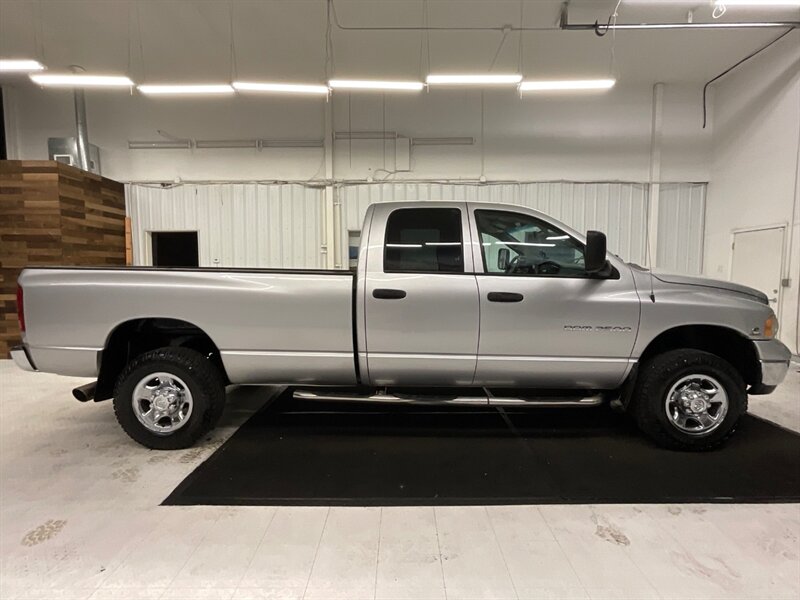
(771, 326)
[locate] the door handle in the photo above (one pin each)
(505, 297)
(385, 294)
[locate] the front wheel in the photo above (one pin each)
(167, 399)
(688, 399)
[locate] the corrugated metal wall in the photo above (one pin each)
(238, 225)
(681, 227)
(618, 209)
(282, 225)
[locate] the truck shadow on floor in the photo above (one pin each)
(294, 452)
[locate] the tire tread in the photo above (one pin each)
(650, 388)
(206, 376)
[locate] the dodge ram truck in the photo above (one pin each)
(477, 304)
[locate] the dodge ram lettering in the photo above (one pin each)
(451, 302)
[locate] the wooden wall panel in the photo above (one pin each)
(54, 214)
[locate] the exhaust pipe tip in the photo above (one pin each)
(85, 393)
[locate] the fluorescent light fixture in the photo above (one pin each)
(557, 237)
(81, 80)
(280, 88)
(566, 85)
(758, 3)
(184, 89)
(508, 79)
(160, 145)
(19, 66)
(362, 84)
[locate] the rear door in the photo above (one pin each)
(420, 297)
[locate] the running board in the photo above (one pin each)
(480, 400)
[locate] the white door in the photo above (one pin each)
(757, 261)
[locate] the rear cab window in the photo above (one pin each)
(424, 240)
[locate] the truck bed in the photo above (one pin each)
(277, 325)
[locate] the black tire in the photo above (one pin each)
(654, 382)
(200, 375)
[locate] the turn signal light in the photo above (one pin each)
(770, 326)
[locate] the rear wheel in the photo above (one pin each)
(688, 399)
(166, 399)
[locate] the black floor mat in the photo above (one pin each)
(313, 453)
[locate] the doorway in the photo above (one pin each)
(758, 260)
(174, 248)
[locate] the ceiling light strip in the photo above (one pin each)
(81, 80)
(566, 85)
(12, 65)
(377, 85)
(280, 88)
(185, 89)
(467, 79)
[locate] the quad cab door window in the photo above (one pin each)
(424, 240)
(519, 244)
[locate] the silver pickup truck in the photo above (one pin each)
(452, 302)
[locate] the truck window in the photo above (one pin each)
(353, 242)
(519, 244)
(424, 240)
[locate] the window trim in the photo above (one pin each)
(486, 271)
(420, 272)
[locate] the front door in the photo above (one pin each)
(421, 298)
(544, 322)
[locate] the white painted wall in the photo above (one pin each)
(589, 137)
(754, 169)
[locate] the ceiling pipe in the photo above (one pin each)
(563, 25)
(601, 30)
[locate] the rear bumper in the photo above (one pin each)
(774, 359)
(21, 358)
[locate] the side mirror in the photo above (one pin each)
(595, 255)
(502, 258)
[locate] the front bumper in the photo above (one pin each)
(774, 358)
(21, 358)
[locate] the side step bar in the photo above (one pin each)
(479, 400)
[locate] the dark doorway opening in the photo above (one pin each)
(175, 249)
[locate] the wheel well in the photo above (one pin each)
(721, 341)
(132, 338)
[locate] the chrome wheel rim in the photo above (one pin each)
(697, 404)
(162, 403)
